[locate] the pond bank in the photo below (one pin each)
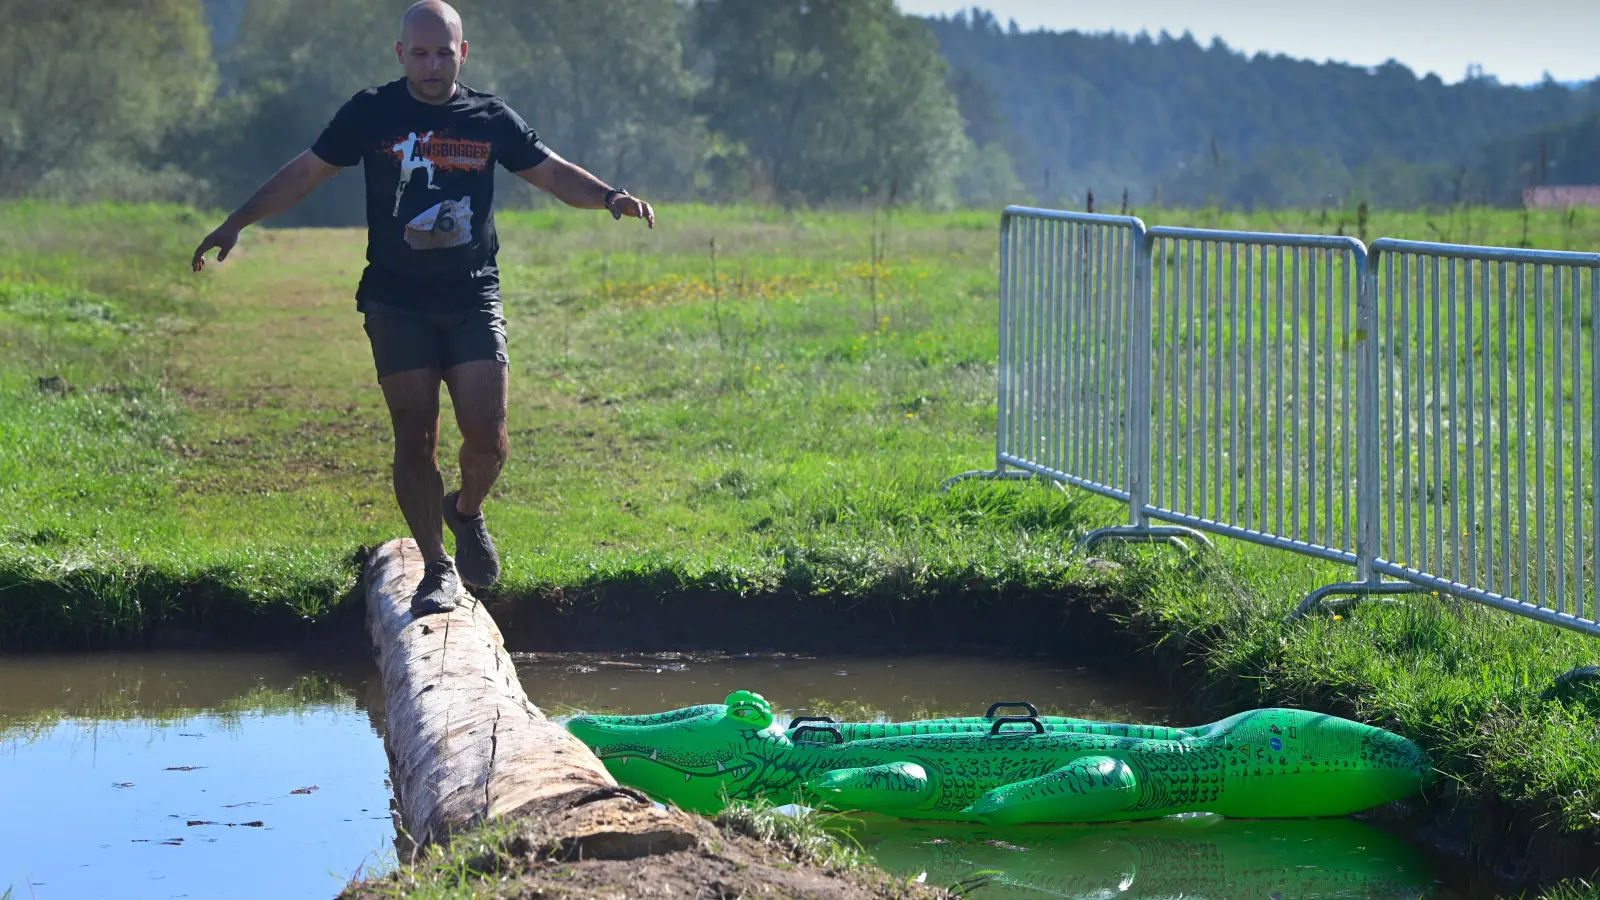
(1503, 805)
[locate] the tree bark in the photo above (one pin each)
(465, 744)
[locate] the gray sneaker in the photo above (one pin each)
(440, 590)
(476, 558)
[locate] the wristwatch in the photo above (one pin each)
(615, 192)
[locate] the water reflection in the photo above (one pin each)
(849, 688)
(1204, 857)
(199, 775)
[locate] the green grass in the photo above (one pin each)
(806, 834)
(470, 866)
(777, 417)
(1574, 890)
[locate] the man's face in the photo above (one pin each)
(432, 53)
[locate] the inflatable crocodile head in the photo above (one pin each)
(696, 757)
(1291, 763)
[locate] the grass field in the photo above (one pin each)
(776, 413)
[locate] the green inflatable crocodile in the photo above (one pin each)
(1272, 763)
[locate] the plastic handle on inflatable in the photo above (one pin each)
(797, 721)
(804, 730)
(1021, 704)
(1003, 721)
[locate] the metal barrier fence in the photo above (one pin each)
(1253, 386)
(1399, 413)
(1488, 420)
(1066, 298)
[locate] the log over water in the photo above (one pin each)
(465, 744)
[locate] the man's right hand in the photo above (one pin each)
(223, 240)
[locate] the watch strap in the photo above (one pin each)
(612, 195)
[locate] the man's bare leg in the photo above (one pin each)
(413, 399)
(478, 390)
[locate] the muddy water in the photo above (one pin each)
(263, 775)
(189, 775)
(856, 687)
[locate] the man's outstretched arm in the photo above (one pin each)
(288, 186)
(574, 186)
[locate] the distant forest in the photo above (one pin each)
(1207, 124)
(796, 102)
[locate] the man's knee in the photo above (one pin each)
(487, 439)
(416, 438)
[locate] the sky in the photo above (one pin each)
(1516, 41)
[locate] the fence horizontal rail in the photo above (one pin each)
(1425, 411)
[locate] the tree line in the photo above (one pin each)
(787, 101)
(1173, 121)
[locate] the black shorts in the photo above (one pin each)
(403, 340)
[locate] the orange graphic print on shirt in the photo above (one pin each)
(430, 152)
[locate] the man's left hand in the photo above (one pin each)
(633, 207)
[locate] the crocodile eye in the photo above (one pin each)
(750, 709)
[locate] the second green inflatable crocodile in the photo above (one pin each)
(1270, 763)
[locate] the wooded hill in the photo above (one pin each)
(1113, 112)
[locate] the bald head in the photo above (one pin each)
(431, 49)
(431, 16)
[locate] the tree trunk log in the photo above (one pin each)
(464, 743)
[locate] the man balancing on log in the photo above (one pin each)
(431, 290)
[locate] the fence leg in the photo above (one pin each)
(999, 473)
(1338, 596)
(1146, 534)
(1568, 680)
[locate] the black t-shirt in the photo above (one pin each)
(430, 184)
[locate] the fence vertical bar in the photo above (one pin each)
(1369, 582)
(1249, 396)
(1560, 442)
(1367, 423)
(1538, 441)
(1472, 416)
(1577, 444)
(1007, 355)
(1326, 259)
(1233, 380)
(1139, 376)
(1455, 421)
